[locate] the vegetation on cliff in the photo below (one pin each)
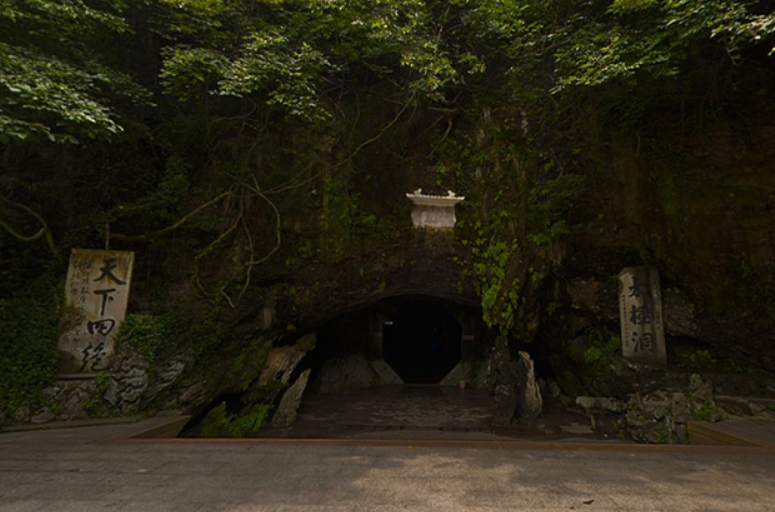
(219, 137)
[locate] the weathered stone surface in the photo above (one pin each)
(283, 360)
(127, 387)
(456, 375)
(289, 404)
(737, 406)
(70, 396)
(658, 416)
(594, 296)
(97, 291)
(346, 373)
(129, 380)
(168, 374)
(680, 313)
(268, 316)
(591, 403)
(699, 389)
(640, 308)
(516, 393)
(43, 416)
(501, 370)
(22, 414)
(529, 403)
(549, 388)
(386, 374)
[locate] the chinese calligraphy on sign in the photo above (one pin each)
(640, 310)
(96, 292)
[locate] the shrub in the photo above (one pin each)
(28, 343)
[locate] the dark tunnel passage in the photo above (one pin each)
(422, 342)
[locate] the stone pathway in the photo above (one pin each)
(427, 411)
(78, 470)
(391, 408)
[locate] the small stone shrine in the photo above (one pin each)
(434, 212)
(640, 311)
(96, 294)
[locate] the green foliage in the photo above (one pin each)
(28, 342)
(591, 43)
(283, 52)
(153, 336)
(55, 82)
(250, 360)
(603, 346)
(513, 93)
(152, 198)
(95, 404)
(206, 334)
(220, 423)
(499, 290)
(157, 335)
(708, 412)
(550, 202)
(701, 360)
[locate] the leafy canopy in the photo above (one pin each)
(55, 81)
(59, 80)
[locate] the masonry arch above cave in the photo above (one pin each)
(400, 339)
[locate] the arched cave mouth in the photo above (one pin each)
(411, 339)
(422, 342)
(394, 363)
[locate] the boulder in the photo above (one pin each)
(168, 374)
(347, 373)
(281, 361)
(597, 403)
(679, 313)
(529, 402)
(516, 393)
(127, 386)
(289, 404)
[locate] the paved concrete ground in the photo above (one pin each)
(73, 470)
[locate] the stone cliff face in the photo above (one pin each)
(703, 217)
(535, 254)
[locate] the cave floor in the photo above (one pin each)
(424, 411)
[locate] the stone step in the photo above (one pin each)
(733, 432)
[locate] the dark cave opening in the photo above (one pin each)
(422, 342)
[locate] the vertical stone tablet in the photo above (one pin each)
(96, 295)
(640, 310)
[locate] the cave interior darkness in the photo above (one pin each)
(422, 342)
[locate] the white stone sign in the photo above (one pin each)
(96, 295)
(435, 212)
(640, 311)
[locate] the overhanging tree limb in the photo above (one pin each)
(44, 231)
(151, 234)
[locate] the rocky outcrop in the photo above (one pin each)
(283, 360)
(656, 417)
(529, 402)
(289, 404)
(516, 391)
(127, 387)
(353, 372)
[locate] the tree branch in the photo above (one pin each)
(147, 236)
(44, 230)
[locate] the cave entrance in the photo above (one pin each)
(422, 342)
